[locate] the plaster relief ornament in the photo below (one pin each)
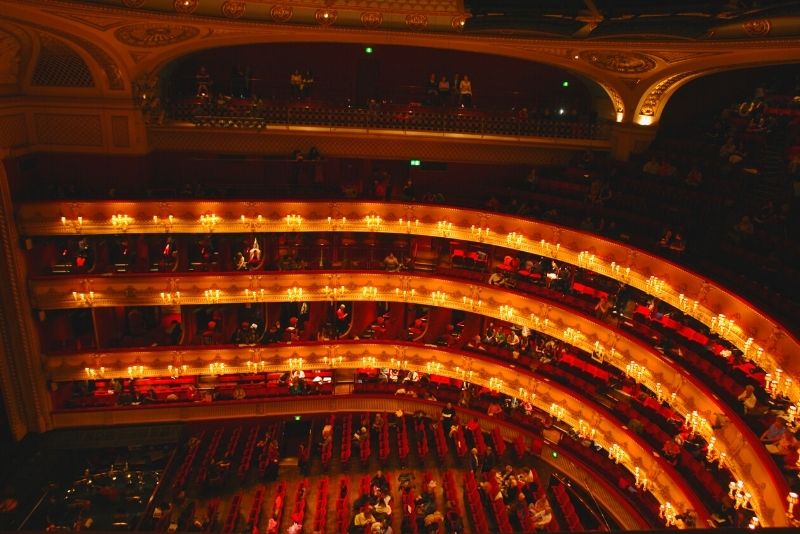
(417, 21)
(9, 58)
(371, 19)
(626, 63)
(757, 28)
(154, 35)
(280, 13)
(135, 4)
(185, 7)
(233, 9)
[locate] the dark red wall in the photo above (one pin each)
(402, 73)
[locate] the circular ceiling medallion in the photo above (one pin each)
(757, 28)
(154, 35)
(185, 6)
(371, 19)
(629, 62)
(417, 21)
(233, 8)
(326, 17)
(133, 3)
(280, 13)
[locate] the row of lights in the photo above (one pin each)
(719, 324)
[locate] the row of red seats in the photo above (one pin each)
(501, 516)
(233, 442)
(440, 440)
(567, 508)
(474, 502)
(569, 378)
(403, 447)
(460, 442)
(213, 512)
(587, 367)
(279, 502)
(383, 441)
(299, 510)
(258, 504)
(183, 471)
(327, 449)
(208, 458)
(233, 514)
(247, 454)
(498, 442)
(273, 430)
(347, 438)
(588, 291)
(321, 512)
(365, 445)
(422, 439)
(409, 510)
(343, 507)
(477, 439)
(450, 493)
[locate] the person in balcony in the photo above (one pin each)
(465, 91)
(444, 90)
(296, 84)
(391, 263)
(748, 399)
(204, 83)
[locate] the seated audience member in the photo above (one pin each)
(775, 432)
(540, 513)
(494, 409)
(748, 398)
(671, 451)
(391, 263)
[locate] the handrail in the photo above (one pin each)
(245, 114)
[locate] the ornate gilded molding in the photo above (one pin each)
(152, 35)
(652, 102)
(620, 62)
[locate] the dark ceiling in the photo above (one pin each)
(678, 19)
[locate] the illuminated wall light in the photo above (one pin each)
(444, 228)
(369, 292)
(438, 297)
(668, 513)
(254, 295)
(479, 233)
(373, 221)
(171, 298)
(514, 239)
(76, 224)
(405, 294)
(294, 293)
(506, 312)
(333, 223)
(495, 384)
(83, 298)
(293, 220)
(408, 224)
(644, 120)
(209, 221)
(212, 296)
(216, 368)
(176, 371)
(121, 221)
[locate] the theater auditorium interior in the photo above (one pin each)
(399, 266)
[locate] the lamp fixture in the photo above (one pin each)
(76, 224)
(168, 221)
(480, 233)
(135, 371)
(295, 293)
(514, 239)
(169, 298)
(212, 296)
(373, 222)
(408, 224)
(616, 453)
(495, 384)
(256, 366)
(253, 295)
(332, 361)
(334, 292)
(209, 221)
(94, 373)
(216, 368)
(585, 431)
(405, 293)
(654, 285)
(121, 221)
(175, 371)
(557, 412)
(668, 513)
(471, 303)
(369, 362)
(586, 260)
(740, 496)
(444, 228)
(506, 312)
(295, 364)
(83, 298)
(640, 479)
(433, 368)
(438, 298)
(335, 223)
(294, 221)
(369, 292)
